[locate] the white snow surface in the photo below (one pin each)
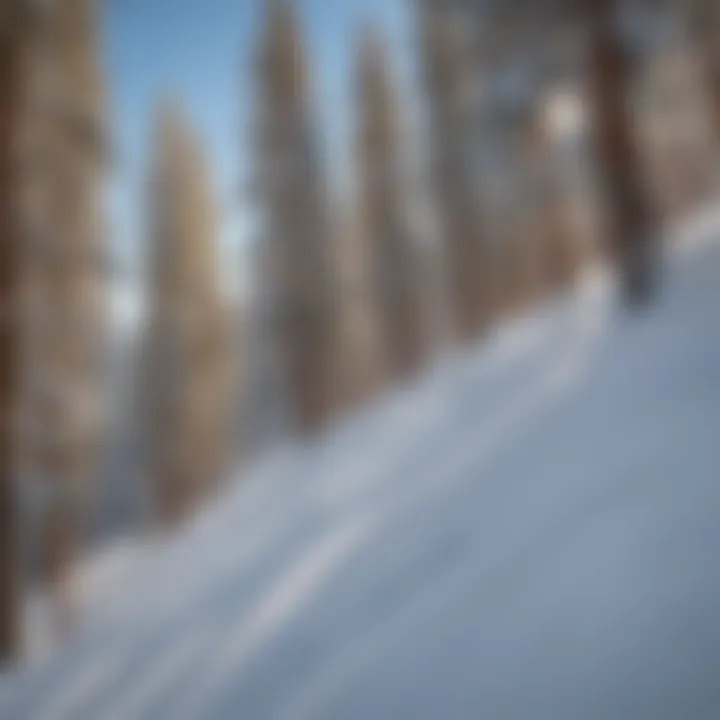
(529, 531)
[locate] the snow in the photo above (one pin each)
(528, 531)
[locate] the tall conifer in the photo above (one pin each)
(393, 256)
(296, 274)
(188, 386)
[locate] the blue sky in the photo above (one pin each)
(201, 51)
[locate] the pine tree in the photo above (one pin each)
(188, 349)
(64, 279)
(297, 254)
(393, 260)
(449, 79)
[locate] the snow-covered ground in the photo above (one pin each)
(530, 531)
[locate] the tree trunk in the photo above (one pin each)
(10, 42)
(633, 244)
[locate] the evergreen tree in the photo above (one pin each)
(188, 349)
(393, 260)
(64, 280)
(449, 81)
(297, 262)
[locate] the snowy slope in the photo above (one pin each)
(529, 532)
